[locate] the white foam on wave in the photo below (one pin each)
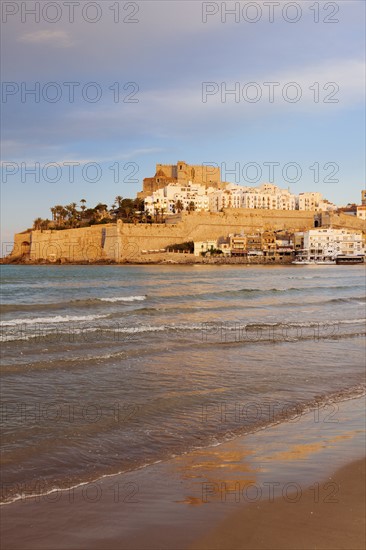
(124, 299)
(158, 328)
(146, 328)
(352, 321)
(55, 319)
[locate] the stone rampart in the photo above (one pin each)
(129, 242)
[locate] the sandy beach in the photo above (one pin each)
(298, 484)
(334, 522)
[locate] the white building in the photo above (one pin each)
(361, 212)
(231, 197)
(204, 246)
(174, 197)
(309, 201)
(329, 243)
(267, 196)
(314, 201)
(270, 197)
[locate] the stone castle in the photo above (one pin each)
(182, 173)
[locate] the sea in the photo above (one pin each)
(110, 369)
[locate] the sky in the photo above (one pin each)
(268, 91)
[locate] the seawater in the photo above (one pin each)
(108, 369)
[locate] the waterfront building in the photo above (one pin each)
(224, 245)
(325, 243)
(298, 240)
(201, 247)
(269, 243)
(238, 245)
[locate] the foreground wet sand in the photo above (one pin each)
(299, 484)
(336, 521)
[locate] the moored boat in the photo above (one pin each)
(350, 260)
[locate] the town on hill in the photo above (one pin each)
(186, 214)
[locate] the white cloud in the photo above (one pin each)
(18, 152)
(55, 38)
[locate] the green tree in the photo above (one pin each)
(37, 224)
(82, 205)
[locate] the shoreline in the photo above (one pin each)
(186, 260)
(298, 411)
(151, 508)
(171, 263)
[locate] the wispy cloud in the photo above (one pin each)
(163, 108)
(19, 152)
(55, 38)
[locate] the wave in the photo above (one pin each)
(44, 320)
(124, 299)
(207, 330)
(291, 411)
(293, 289)
(359, 299)
(80, 303)
(160, 328)
(108, 301)
(309, 324)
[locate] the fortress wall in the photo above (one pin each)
(21, 244)
(120, 242)
(74, 245)
(338, 221)
(199, 226)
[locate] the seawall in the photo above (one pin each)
(120, 242)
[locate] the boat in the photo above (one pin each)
(350, 260)
(303, 262)
(325, 262)
(314, 262)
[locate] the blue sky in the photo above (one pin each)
(168, 54)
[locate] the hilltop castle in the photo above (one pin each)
(182, 173)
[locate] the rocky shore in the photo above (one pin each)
(159, 259)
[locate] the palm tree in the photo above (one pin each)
(118, 200)
(60, 214)
(179, 206)
(100, 211)
(83, 203)
(191, 207)
(117, 206)
(37, 223)
(128, 212)
(45, 224)
(71, 213)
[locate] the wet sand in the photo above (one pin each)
(299, 484)
(336, 521)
